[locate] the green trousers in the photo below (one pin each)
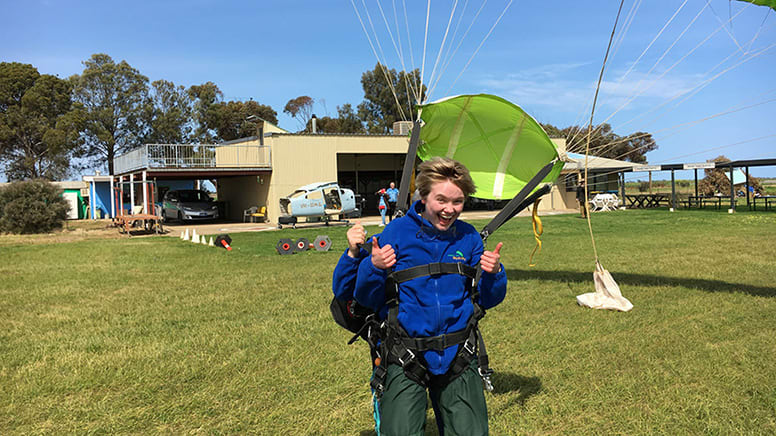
(461, 404)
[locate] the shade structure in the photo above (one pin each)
(500, 144)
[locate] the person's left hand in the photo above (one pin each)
(490, 260)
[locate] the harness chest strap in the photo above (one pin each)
(400, 348)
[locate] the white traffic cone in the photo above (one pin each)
(186, 235)
(203, 241)
(211, 244)
(194, 236)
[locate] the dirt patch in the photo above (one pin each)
(72, 231)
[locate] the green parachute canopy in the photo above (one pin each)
(769, 3)
(502, 146)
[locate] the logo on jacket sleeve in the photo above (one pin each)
(457, 255)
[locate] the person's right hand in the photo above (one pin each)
(356, 237)
(382, 257)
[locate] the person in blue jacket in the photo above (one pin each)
(344, 283)
(432, 305)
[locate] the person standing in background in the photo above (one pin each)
(393, 197)
(382, 204)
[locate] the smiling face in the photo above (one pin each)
(444, 203)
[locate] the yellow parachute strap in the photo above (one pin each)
(538, 230)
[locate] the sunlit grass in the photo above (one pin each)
(154, 335)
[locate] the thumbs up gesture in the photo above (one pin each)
(382, 257)
(356, 237)
(491, 260)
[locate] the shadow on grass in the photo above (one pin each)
(644, 280)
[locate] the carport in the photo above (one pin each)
(241, 172)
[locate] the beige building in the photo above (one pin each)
(258, 171)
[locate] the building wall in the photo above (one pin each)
(298, 160)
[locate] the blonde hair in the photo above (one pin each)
(440, 169)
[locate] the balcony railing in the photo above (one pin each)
(196, 156)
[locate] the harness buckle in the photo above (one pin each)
(407, 358)
(469, 347)
(485, 375)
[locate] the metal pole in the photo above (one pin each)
(622, 188)
(732, 190)
(673, 191)
(747, 187)
(131, 193)
(145, 195)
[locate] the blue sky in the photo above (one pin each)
(711, 58)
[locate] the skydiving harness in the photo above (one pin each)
(398, 347)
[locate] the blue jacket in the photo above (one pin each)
(430, 305)
(343, 280)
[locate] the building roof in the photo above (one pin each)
(576, 161)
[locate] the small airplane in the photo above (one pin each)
(316, 200)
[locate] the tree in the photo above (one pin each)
(379, 109)
(716, 180)
(205, 100)
(347, 121)
(301, 109)
(32, 206)
(168, 114)
(34, 112)
(605, 143)
(232, 119)
(113, 97)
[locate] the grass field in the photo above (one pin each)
(154, 335)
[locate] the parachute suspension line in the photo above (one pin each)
(393, 41)
(628, 21)
(698, 88)
(425, 40)
(446, 58)
(442, 46)
(412, 57)
(460, 42)
(382, 63)
(407, 81)
(481, 43)
(590, 129)
(379, 62)
(705, 83)
(633, 97)
(667, 160)
(730, 34)
(657, 62)
(756, 35)
(677, 127)
(636, 94)
(670, 20)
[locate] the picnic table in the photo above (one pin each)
(767, 199)
(604, 202)
(700, 201)
(642, 201)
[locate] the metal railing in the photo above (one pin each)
(194, 156)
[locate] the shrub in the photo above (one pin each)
(34, 206)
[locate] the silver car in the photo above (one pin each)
(188, 204)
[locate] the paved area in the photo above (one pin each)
(176, 228)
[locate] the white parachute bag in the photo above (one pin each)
(607, 293)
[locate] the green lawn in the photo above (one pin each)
(154, 335)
